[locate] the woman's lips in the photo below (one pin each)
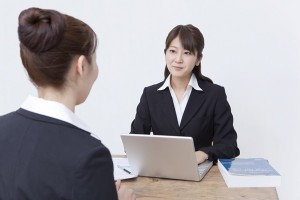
(177, 68)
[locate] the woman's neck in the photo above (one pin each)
(63, 96)
(180, 83)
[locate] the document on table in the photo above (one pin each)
(122, 169)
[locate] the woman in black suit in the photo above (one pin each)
(187, 103)
(46, 151)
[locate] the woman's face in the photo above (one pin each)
(180, 62)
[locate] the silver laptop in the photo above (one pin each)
(160, 156)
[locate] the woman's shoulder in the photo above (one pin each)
(154, 87)
(56, 130)
(207, 86)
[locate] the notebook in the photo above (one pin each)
(163, 156)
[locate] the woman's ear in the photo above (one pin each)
(199, 60)
(80, 65)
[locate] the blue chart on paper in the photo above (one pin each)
(248, 166)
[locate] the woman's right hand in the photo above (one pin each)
(124, 193)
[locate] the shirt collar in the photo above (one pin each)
(166, 84)
(55, 110)
(193, 83)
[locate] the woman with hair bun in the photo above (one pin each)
(46, 151)
(187, 103)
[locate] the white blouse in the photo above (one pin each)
(180, 106)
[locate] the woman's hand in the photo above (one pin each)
(124, 193)
(201, 156)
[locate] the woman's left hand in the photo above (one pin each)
(201, 156)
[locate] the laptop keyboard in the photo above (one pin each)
(203, 168)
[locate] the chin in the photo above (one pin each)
(178, 75)
(80, 101)
(82, 97)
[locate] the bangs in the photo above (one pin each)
(187, 40)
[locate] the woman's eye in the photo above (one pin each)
(172, 51)
(188, 53)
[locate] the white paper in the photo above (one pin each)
(121, 165)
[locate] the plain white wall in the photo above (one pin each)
(252, 49)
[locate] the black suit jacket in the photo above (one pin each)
(45, 158)
(207, 119)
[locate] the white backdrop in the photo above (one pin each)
(252, 49)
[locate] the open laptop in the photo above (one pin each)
(164, 157)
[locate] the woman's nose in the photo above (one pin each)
(179, 59)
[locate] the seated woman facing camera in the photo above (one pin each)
(187, 103)
(46, 151)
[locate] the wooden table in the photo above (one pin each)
(212, 186)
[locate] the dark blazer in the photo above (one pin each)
(42, 158)
(207, 119)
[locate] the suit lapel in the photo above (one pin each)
(168, 109)
(192, 107)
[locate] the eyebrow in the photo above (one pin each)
(179, 47)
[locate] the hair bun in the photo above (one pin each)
(40, 30)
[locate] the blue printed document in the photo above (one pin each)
(248, 166)
(248, 172)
